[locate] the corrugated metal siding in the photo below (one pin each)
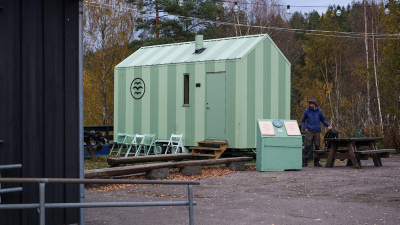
(216, 49)
(39, 96)
(257, 86)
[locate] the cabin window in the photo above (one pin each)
(186, 89)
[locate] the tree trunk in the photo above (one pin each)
(337, 87)
(157, 22)
(369, 118)
(327, 88)
(376, 85)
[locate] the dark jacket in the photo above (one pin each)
(312, 118)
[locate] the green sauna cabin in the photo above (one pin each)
(213, 90)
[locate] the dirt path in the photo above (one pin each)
(338, 195)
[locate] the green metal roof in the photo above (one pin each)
(215, 49)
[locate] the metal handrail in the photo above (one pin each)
(9, 190)
(10, 166)
(42, 205)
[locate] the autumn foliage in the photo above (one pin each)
(349, 63)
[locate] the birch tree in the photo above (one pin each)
(108, 29)
(367, 63)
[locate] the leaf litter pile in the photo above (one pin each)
(206, 172)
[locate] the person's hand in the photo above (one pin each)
(330, 127)
(306, 130)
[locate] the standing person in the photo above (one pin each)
(311, 123)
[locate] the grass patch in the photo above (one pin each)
(91, 164)
(251, 162)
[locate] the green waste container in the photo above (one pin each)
(279, 145)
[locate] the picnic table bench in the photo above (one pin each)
(353, 153)
(381, 153)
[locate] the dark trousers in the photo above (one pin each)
(311, 137)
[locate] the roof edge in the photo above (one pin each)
(261, 40)
(208, 40)
(279, 50)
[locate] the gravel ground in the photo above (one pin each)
(338, 195)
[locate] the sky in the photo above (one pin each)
(323, 3)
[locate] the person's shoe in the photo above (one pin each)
(317, 164)
(304, 163)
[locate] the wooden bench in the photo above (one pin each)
(323, 154)
(115, 161)
(383, 153)
(376, 155)
(236, 163)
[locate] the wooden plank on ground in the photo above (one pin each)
(126, 170)
(150, 158)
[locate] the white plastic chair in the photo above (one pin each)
(125, 144)
(132, 145)
(148, 142)
(139, 141)
(175, 144)
(118, 141)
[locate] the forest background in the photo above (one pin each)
(349, 63)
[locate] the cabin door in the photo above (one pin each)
(215, 106)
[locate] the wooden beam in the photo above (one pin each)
(126, 170)
(150, 158)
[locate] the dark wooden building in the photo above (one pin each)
(39, 103)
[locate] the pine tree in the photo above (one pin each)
(166, 21)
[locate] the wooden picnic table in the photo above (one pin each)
(353, 153)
